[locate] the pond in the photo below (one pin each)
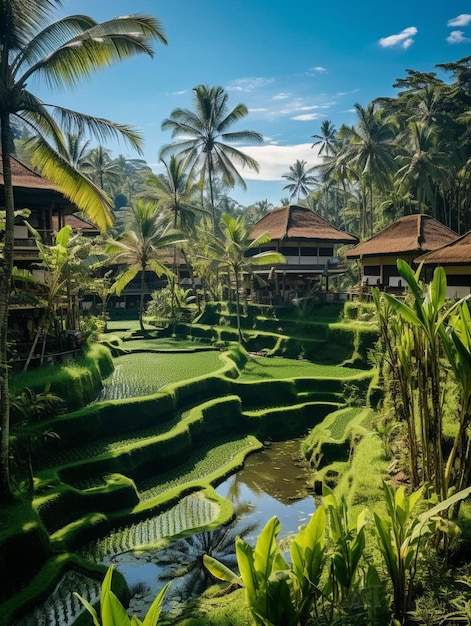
(272, 482)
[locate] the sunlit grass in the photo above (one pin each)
(145, 373)
(202, 463)
(165, 344)
(258, 368)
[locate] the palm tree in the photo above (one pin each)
(62, 52)
(424, 166)
(368, 149)
(139, 248)
(207, 136)
(101, 168)
(327, 139)
(175, 192)
(231, 253)
(301, 180)
(76, 150)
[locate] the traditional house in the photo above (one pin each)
(406, 238)
(309, 244)
(47, 205)
(48, 211)
(455, 257)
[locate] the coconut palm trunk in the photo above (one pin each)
(5, 285)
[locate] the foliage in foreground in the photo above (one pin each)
(328, 578)
(112, 612)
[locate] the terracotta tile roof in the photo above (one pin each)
(23, 176)
(409, 234)
(295, 222)
(456, 252)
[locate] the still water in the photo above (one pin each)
(274, 481)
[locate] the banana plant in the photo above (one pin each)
(308, 559)
(456, 340)
(399, 533)
(277, 592)
(112, 612)
(265, 576)
(348, 540)
(425, 316)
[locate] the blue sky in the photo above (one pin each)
(293, 64)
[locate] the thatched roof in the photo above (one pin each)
(23, 176)
(455, 253)
(412, 234)
(298, 223)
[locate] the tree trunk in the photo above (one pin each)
(141, 304)
(39, 329)
(5, 286)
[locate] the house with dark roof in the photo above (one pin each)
(309, 244)
(455, 257)
(48, 208)
(406, 238)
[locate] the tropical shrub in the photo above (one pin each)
(113, 613)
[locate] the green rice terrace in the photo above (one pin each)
(150, 432)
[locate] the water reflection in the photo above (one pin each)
(274, 481)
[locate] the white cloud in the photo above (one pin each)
(249, 84)
(461, 20)
(404, 39)
(274, 160)
(306, 117)
(457, 36)
(281, 96)
(316, 70)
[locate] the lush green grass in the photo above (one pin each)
(203, 463)
(258, 368)
(165, 345)
(141, 374)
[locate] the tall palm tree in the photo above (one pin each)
(423, 165)
(101, 168)
(206, 137)
(231, 253)
(139, 248)
(368, 149)
(327, 139)
(301, 180)
(176, 193)
(62, 53)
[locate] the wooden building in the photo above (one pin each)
(455, 257)
(309, 244)
(406, 238)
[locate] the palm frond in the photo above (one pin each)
(79, 189)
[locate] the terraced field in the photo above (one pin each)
(110, 485)
(258, 368)
(144, 373)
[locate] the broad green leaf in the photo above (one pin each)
(402, 309)
(221, 571)
(113, 612)
(266, 548)
(245, 561)
(438, 288)
(63, 236)
(410, 277)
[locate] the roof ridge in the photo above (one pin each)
(288, 215)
